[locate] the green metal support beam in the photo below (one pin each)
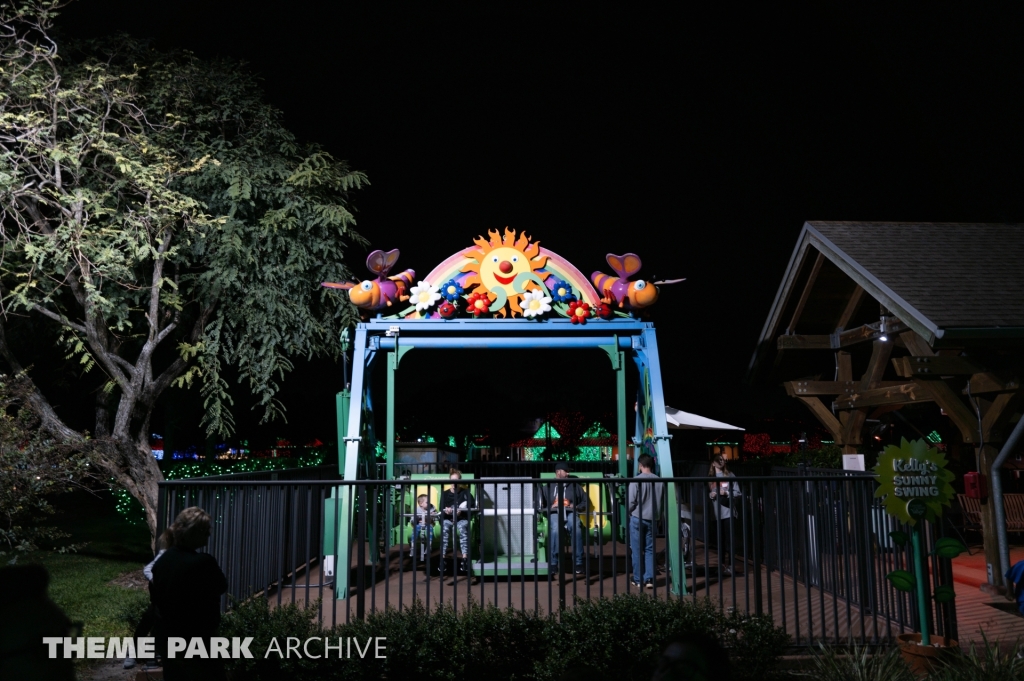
(341, 403)
(394, 359)
(618, 359)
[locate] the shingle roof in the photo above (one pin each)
(948, 276)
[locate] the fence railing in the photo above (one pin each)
(493, 469)
(810, 551)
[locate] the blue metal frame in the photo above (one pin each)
(396, 337)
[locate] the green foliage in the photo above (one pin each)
(985, 662)
(899, 537)
(180, 470)
(621, 637)
(282, 223)
(34, 466)
(510, 640)
(948, 547)
(944, 593)
(857, 664)
(129, 507)
(420, 644)
(902, 580)
(153, 200)
(255, 618)
(826, 456)
(80, 586)
(131, 611)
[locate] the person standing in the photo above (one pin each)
(456, 505)
(726, 496)
(164, 542)
(186, 591)
(644, 501)
(570, 497)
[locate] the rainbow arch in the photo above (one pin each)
(560, 269)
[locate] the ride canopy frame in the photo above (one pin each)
(505, 292)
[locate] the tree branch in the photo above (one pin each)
(60, 319)
(36, 400)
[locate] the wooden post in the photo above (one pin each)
(986, 455)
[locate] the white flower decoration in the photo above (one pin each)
(535, 303)
(424, 295)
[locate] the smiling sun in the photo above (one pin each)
(505, 268)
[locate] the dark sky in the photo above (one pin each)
(700, 139)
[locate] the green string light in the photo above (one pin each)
(129, 507)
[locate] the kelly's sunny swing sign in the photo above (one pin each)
(914, 483)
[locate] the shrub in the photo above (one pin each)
(621, 637)
(34, 466)
(255, 618)
(755, 644)
(856, 664)
(515, 642)
(626, 635)
(982, 663)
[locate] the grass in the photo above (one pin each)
(79, 585)
(79, 582)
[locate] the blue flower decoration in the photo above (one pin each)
(451, 291)
(562, 292)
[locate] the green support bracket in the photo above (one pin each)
(618, 359)
(394, 359)
(920, 576)
(341, 402)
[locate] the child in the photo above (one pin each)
(424, 522)
(165, 542)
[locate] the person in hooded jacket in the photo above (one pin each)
(566, 499)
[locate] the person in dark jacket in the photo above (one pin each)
(456, 505)
(27, 616)
(573, 499)
(186, 591)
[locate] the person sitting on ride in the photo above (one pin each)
(572, 497)
(423, 521)
(456, 504)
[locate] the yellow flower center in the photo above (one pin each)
(452, 290)
(424, 296)
(561, 292)
(534, 304)
(580, 312)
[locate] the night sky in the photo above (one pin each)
(700, 139)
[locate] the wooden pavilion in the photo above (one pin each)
(873, 317)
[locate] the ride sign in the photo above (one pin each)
(914, 481)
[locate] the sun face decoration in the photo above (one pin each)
(505, 268)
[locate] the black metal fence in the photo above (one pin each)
(500, 469)
(811, 551)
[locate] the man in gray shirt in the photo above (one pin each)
(645, 503)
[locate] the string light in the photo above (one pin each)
(129, 507)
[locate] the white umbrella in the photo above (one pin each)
(687, 421)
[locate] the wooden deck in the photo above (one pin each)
(808, 614)
(980, 615)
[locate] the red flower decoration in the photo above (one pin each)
(579, 312)
(447, 310)
(604, 310)
(479, 304)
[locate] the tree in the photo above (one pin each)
(158, 213)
